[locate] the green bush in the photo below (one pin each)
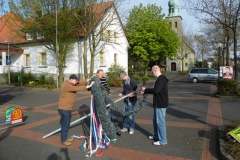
(182, 72)
(28, 77)
(51, 80)
(137, 78)
(145, 78)
(42, 79)
(113, 75)
(227, 87)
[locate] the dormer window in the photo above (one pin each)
(34, 35)
(40, 35)
(29, 36)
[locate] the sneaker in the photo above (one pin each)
(124, 130)
(152, 138)
(67, 143)
(119, 133)
(158, 143)
(70, 139)
(113, 140)
(131, 132)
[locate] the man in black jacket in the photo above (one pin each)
(160, 104)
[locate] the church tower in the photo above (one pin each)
(184, 60)
(175, 20)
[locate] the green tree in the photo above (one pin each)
(201, 64)
(39, 16)
(150, 36)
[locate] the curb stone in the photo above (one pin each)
(223, 155)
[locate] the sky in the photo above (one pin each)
(188, 20)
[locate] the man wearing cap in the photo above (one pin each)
(129, 86)
(66, 104)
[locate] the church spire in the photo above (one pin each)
(173, 8)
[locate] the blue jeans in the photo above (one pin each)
(159, 125)
(65, 123)
(129, 106)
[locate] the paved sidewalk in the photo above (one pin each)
(193, 118)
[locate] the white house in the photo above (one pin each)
(36, 58)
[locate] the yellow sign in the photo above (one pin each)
(235, 133)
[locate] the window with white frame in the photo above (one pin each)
(115, 58)
(26, 60)
(42, 59)
(107, 35)
(102, 59)
(115, 37)
(186, 64)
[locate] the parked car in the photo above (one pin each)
(203, 74)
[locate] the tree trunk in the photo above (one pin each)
(146, 68)
(182, 64)
(235, 54)
(60, 72)
(92, 47)
(227, 52)
(85, 58)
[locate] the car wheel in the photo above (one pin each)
(194, 80)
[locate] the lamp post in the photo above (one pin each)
(219, 47)
(57, 42)
(8, 62)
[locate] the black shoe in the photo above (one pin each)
(119, 133)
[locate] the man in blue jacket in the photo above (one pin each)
(160, 104)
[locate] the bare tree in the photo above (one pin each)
(95, 18)
(223, 12)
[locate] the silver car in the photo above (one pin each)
(203, 74)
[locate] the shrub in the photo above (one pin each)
(113, 72)
(145, 78)
(27, 77)
(51, 80)
(117, 83)
(227, 87)
(137, 78)
(113, 75)
(42, 79)
(182, 72)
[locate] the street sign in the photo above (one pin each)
(9, 61)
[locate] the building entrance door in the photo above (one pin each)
(173, 66)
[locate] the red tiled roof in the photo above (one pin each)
(10, 28)
(99, 12)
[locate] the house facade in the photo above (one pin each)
(35, 57)
(186, 56)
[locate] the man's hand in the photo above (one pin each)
(120, 94)
(90, 84)
(130, 95)
(142, 91)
